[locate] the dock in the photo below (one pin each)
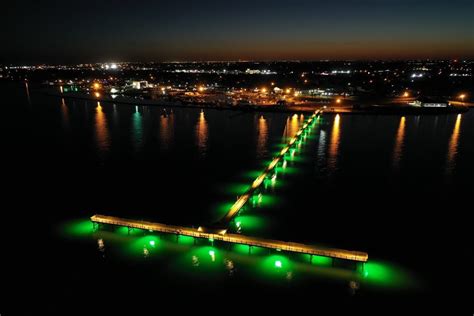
(243, 199)
(233, 238)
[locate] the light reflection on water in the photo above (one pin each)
(262, 137)
(329, 144)
(398, 150)
(453, 146)
(166, 129)
(334, 144)
(329, 148)
(102, 132)
(202, 134)
(137, 133)
(291, 127)
(64, 114)
(199, 257)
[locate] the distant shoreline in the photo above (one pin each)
(364, 110)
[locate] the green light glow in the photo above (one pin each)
(268, 200)
(252, 175)
(122, 230)
(322, 261)
(274, 265)
(250, 222)
(244, 249)
(386, 275)
(221, 209)
(149, 242)
(235, 188)
(76, 228)
(209, 257)
(185, 240)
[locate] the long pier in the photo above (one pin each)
(243, 199)
(233, 238)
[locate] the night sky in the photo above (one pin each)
(95, 31)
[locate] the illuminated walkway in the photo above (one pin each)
(218, 231)
(243, 199)
(233, 238)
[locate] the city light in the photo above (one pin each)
(406, 94)
(264, 90)
(201, 89)
(338, 100)
(462, 96)
(97, 95)
(288, 91)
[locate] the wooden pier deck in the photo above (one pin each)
(234, 238)
(244, 198)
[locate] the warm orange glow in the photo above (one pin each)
(338, 100)
(288, 91)
(453, 145)
(262, 136)
(97, 95)
(462, 96)
(96, 86)
(201, 133)
(166, 129)
(334, 143)
(406, 94)
(232, 238)
(397, 152)
(201, 89)
(264, 90)
(64, 113)
(102, 133)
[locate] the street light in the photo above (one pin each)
(462, 97)
(406, 94)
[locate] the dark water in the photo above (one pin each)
(398, 188)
